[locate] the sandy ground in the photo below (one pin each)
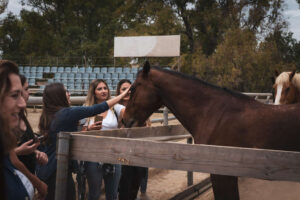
(164, 184)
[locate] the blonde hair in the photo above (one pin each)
(91, 98)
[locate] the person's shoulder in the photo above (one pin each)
(118, 106)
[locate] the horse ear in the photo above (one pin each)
(276, 72)
(292, 74)
(146, 68)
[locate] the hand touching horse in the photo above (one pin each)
(214, 116)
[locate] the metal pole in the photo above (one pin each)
(62, 154)
(190, 174)
(165, 116)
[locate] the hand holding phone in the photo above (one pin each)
(98, 118)
(38, 138)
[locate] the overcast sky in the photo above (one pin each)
(292, 14)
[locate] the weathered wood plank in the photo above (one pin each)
(62, 165)
(140, 132)
(256, 163)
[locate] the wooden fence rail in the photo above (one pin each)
(127, 149)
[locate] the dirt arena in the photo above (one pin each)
(164, 184)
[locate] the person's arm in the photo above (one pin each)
(77, 113)
(113, 101)
(36, 182)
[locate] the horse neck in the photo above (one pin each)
(191, 101)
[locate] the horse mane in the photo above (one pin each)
(224, 89)
(284, 77)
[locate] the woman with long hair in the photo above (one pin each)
(95, 172)
(57, 115)
(27, 148)
(19, 181)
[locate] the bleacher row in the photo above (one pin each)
(78, 78)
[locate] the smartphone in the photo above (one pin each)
(38, 138)
(98, 118)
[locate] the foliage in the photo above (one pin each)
(232, 43)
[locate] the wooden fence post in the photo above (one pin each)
(166, 116)
(190, 174)
(62, 155)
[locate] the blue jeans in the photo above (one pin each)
(94, 175)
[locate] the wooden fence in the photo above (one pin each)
(145, 147)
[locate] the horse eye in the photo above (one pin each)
(287, 89)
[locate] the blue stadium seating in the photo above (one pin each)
(64, 81)
(31, 81)
(33, 69)
(32, 75)
(82, 69)
(115, 82)
(126, 70)
(53, 69)
(61, 69)
(57, 75)
(26, 69)
(39, 75)
(111, 70)
(103, 69)
(71, 75)
(109, 81)
(74, 69)
(71, 81)
(85, 76)
(93, 76)
(78, 76)
(115, 76)
(87, 81)
(96, 70)
(107, 76)
(71, 88)
(40, 69)
(100, 76)
(89, 70)
(134, 70)
(122, 76)
(78, 81)
(119, 70)
(64, 75)
(68, 69)
(129, 76)
(57, 80)
(27, 75)
(46, 69)
(78, 86)
(86, 86)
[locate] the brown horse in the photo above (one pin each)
(287, 88)
(215, 116)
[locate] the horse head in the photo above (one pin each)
(285, 88)
(144, 99)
